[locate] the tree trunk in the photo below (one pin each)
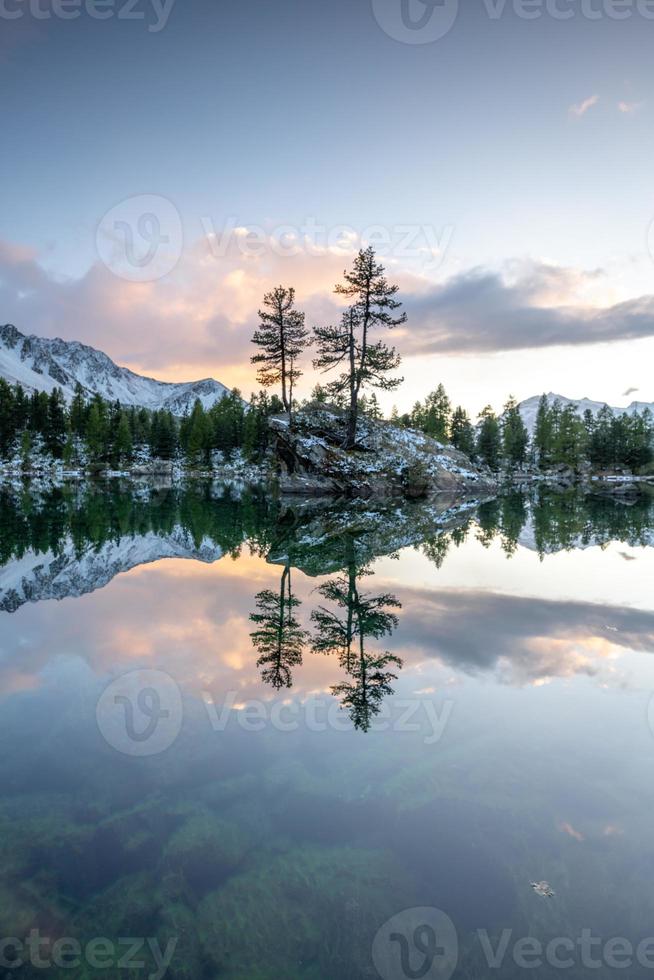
(351, 433)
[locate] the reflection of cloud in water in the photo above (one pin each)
(527, 639)
(193, 621)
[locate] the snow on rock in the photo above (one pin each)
(387, 461)
(41, 364)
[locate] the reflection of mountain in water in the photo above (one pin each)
(67, 572)
(72, 541)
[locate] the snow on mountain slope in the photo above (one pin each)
(41, 364)
(36, 577)
(529, 408)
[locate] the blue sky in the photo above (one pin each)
(520, 145)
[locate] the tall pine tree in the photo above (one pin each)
(282, 336)
(349, 346)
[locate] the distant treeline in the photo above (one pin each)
(92, 514)
(98, 432)
(561, 436)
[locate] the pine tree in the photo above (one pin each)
(374, 410)
(282, 336)
(96, 431)
(364, 362)
(8, 426)
(437, 415)
(55, 428)
(543, 433)
(123, 447)
(489, 440)
(570, 438)
(462, 432)
(197, 438)
(78, 411)
(25, 449)
(515, 438)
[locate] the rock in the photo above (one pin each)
(543, 888)
(156, 467)
(388, 461)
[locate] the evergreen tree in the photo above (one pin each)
(374, 410)
(489, 439)
(570, 438)
(515, 438)
(96, 431)
(437, 415)
(349, 345)
(123, 446)
(543, 433)
(462, 432)
(8, 427)
(282, 336)
(55, 429)
(199, 437)
(319, 394)
(78, 412)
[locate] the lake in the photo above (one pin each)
(256, 742)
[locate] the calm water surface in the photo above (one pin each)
(245, 739)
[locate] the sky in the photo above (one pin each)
(167, 162)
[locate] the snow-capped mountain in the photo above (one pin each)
(529, 408)
(40, 364)
(67, 573)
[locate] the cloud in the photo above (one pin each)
(195, 322)
(629, 108)
(482, 311)
(581, 108)
(199, 320)
(525, 639)
(567, 828)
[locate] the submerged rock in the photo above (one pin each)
(543, 888)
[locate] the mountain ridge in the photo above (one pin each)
(529, 407)
(42, 364)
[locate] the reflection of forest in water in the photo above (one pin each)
(347, 621)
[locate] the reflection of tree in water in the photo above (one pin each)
(343, 631)
(503, 517)
(279, 638)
